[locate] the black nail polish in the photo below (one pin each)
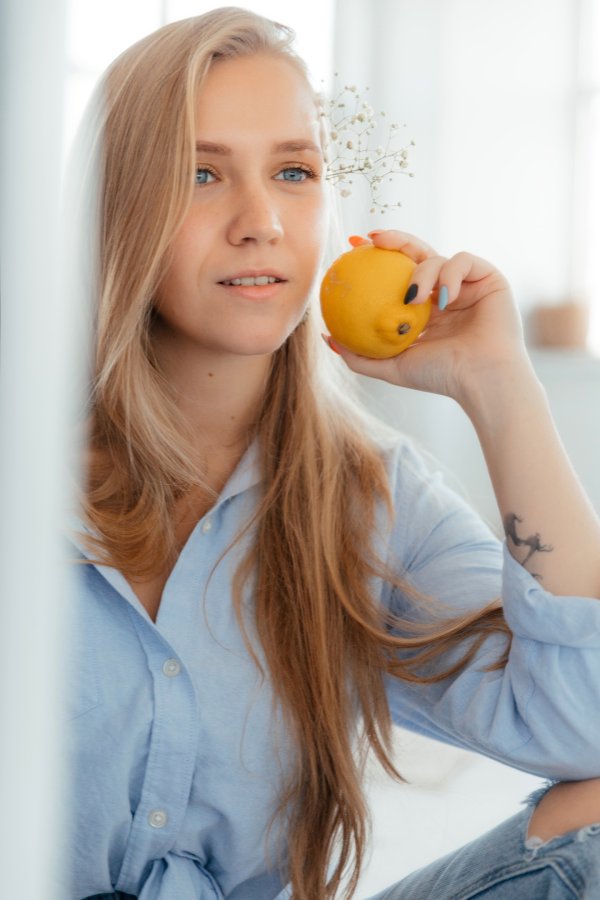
(411, 293)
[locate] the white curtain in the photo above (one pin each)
(35, 376)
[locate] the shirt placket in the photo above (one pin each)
(170, 762)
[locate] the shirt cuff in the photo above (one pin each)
(535, 614)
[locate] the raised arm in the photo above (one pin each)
(473, 351)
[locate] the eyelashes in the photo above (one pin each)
(203, 170)
(306, 170)
(308, 173)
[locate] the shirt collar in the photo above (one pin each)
(246, 474)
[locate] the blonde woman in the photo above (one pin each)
(266, 580)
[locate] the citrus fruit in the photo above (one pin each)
(362, 301)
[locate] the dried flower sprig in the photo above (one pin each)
(351, 122)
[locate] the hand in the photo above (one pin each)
(478, 334)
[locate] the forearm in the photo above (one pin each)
(551, 526)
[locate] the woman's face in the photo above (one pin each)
(259, 210)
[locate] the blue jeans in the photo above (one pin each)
(504, 865)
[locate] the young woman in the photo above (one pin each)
(266, 580)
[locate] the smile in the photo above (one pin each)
(261, 279)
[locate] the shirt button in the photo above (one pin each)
(157, 818)
(206, 526)
(171, 668)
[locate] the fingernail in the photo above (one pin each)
(330, 343)
(356, 240)
(373, 233)
(411, 293)
(443, 298)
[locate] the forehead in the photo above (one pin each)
(257, 93)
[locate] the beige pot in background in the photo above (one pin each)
(562, 325)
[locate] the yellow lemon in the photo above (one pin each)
(362, 301)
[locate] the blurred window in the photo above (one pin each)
(98, 32)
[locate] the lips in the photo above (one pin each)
(254, 273)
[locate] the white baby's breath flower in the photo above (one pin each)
(352, 120)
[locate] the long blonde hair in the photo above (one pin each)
(327, 642)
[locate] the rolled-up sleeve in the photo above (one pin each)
(541, 712)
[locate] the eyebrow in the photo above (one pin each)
(284, 147)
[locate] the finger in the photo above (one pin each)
(444, 279)
(463, 269)
(402, 240)
(425, 280)
(357, 241)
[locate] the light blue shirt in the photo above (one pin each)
(176, 753)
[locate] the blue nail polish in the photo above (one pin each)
(443, 298)
(411, 293)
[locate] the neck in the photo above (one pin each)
(219, 394)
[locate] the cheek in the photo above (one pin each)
(171, 296)
(168, 288)
(317, 222)
(181, 265)
(322, 211)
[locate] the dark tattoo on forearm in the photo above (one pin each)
(534, 541)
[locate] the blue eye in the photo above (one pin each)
(200, 175)
(299, 172)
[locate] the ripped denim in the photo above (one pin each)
(503, 864)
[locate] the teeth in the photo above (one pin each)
(262, 279)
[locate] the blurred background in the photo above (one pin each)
(502, 100)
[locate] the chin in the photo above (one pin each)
(258, 348)
(261, 344)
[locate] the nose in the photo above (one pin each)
(255, 217)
